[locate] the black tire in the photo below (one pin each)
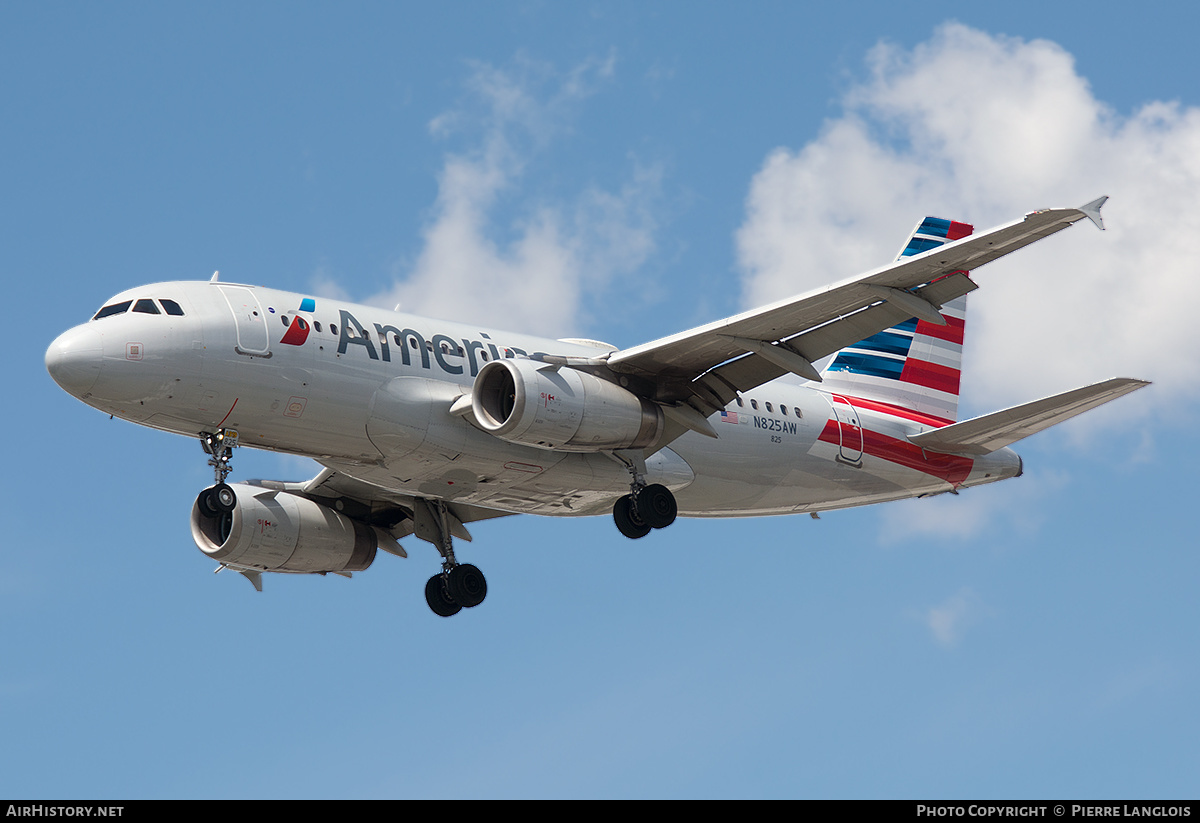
(437, 598)
(224, 498)
(466, 585)
(627, 522)
(656, 506)
(207, 507)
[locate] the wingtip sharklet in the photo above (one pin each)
(1092, 211)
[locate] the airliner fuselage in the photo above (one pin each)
(226, 362)
(423, 426)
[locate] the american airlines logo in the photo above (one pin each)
(449, 355)
(387, 341)
(298, 329)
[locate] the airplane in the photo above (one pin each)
(424, 426)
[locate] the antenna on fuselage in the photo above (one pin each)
(215, 276)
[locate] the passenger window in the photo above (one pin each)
(741, 402)
(285, 320)
(769, 408)
(754, 405)
(333, 328)
(796, 409)
(115, 308)
(317, 326)
(172, 308)
(784, 410)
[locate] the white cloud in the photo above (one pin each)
(983, 129)
(950, 620)
(527, 271)
(958, 518)
(324, 283)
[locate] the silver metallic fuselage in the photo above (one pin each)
(374, 401)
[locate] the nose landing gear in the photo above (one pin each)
(219, 446)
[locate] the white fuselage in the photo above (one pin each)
(368, 392)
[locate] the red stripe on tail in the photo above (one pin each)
(952, 332)
(930, 375)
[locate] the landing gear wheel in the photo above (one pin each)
(208, 508)
(223, 497)
(466, 585)
(656, 506)
(628, 523)
(438, 599)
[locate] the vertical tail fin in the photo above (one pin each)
(915, 364)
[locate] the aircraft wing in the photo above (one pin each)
(398, 514)
(981, 435)
(707, 366)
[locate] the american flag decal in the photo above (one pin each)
(729, 417)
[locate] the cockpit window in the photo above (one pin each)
(146, 307)
(171, 307)
(115, 308)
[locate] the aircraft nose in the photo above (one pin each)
(74, 359)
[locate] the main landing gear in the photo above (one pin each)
(651, 507)
(459, 585)
(645, 507)
(219, 446)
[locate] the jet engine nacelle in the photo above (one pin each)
(280, 532)
(557, 407)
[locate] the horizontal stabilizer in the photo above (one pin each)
(982, 435)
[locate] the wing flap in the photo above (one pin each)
(982, 435)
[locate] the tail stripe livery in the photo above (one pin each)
(916, 364)
(935, 359)
(933, 232)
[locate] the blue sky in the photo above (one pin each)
(619, 171)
